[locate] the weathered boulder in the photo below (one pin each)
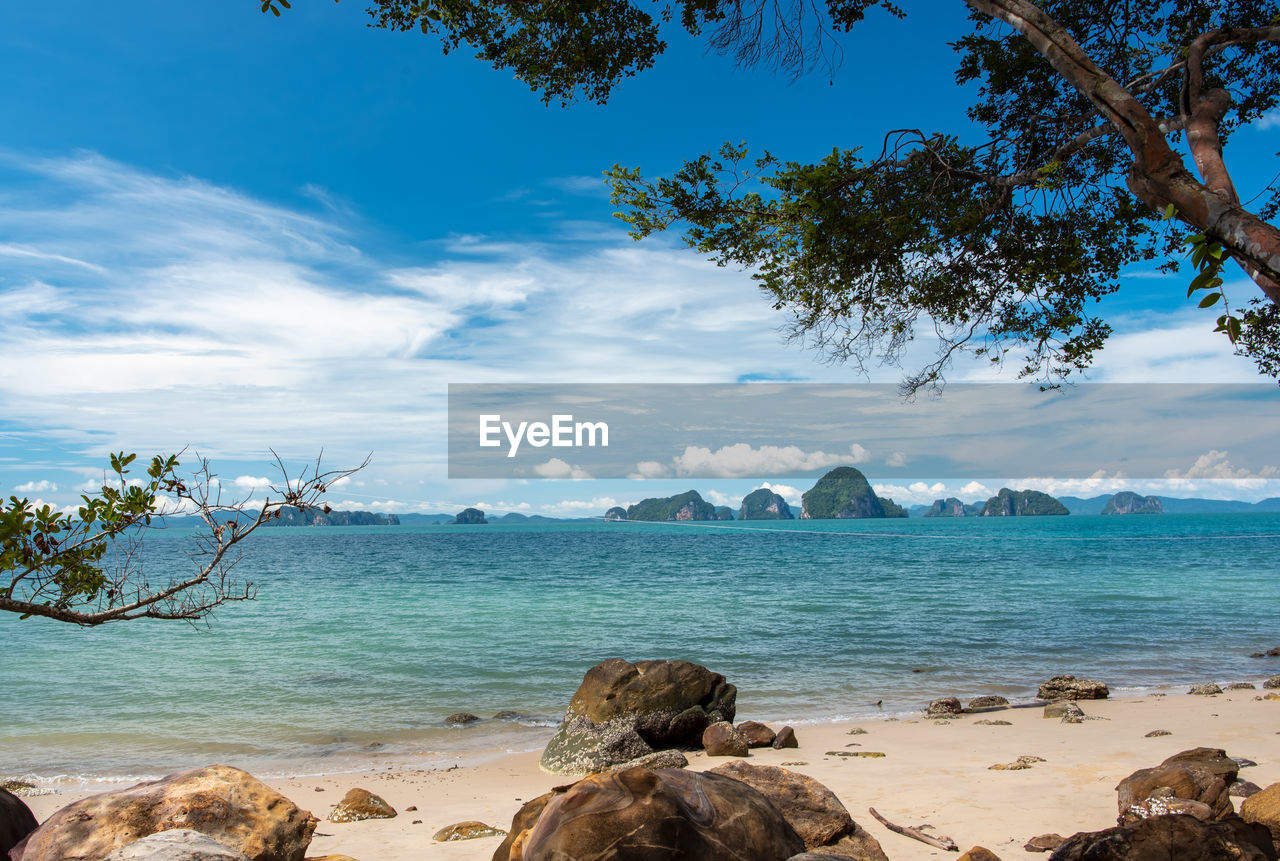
(993, 701)
(756, 733)
(1163, 838)
(470, 830)
(361, 804)
(1207, 689)
(1272, 682)
(979, 853)
(1244, 789)
(809, 807)
(943, 707)
(225, 803)
(461, 719)
(1071, 688)
(512, 846)
(721, 739)
(655, 816)
(785, 738)
(657, 759)
(179, 844)
(624, 710)
(1202, 774)
(1044, 843)
(1263, 807)
(16, 821)
(1063, 709)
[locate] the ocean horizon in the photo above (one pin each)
(363, 640)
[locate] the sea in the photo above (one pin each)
(362, 641)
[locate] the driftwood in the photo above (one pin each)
(916, 834)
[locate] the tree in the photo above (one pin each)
(87, 567)
(1005, 243)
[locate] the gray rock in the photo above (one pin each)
(1071, 688)
(1208, 689)
(943, 707)
(1272, 682)
(180, 844)
(657, 759)
(1063, 709)
(992, 701)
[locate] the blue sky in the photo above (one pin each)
(230, 232)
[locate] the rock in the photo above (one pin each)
(764, 504)
(785, 738)
(466, 831)
(1044, 843)
(992, 723)
(1021, 503)
(683, 506)
(1165, 806)
(360, 804)
(857, 730)
(655, 760)
(655, 816)
(721, 739)
(1263, 808)
(16, 821)
(1162, 838)
(461, 718)
(842, 493)
(1156, 733)
(505, 714)
(1202, 774)
(222, 802)
(1206, 690)
(810, 808)
(952, 507)
(756, 733)
(1242, 762)
(615, 514)
(979, 853)
(1063, 709)
(469, 516)
(1244, 789)
(622, 711)
(1242, 686)
(1071, 688)
(988, 702)
(1272, 682)
(178, 844)
(511, 848)
(943, 707)
(1128, 502)
(1017, 765)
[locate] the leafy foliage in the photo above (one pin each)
(87, 566)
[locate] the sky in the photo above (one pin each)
(225, 233)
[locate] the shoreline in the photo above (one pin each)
(935, 771)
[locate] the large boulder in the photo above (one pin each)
(722, 739)
(624, 710)
(179, 844)
(225, 803)
(1071, 688)
(1263, 807)
(809, 807)
(16, 821)
(1203, 774)
(1163, 838)
(645, 815)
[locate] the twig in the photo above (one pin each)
(916, 834)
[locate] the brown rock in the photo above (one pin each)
(992, 723)
(622, 711)
(1063, 709)
(1071, 688)
(1044, 843)
(657, 759)
(1263, 807)
(512, 847)
(1201, 774)
(1156, 733)
(225, 803)
(979, 853)
(1272, 682)
(1242, 686)
(721, 739)
(809, 807)
(1163, 838)
(988, 702)
(461, 718)
(786, 738)
(16, 821)
(756, 733)
(469, 830)
(943, 707)
(659, 816)
(1208, 689)
(360, 804)
(1244, 789)
(1165, 806)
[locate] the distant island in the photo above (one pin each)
(469, 516)
(1128, 502)
(844, 493)
(764, 504)
(683, 506)
(320, 517)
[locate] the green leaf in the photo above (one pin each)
(1210, 299)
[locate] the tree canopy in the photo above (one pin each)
(1085, 109)
(86, 566)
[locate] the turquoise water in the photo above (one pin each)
(362, 641)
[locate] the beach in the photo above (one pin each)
(933, 771)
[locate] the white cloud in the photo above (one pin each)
(249, 482)
(650, 469)
(975, 490)
(579, 507)
(1269, 120)
(742, 460)
(557, 468)
(896, 458)
(1214, 464)
(793, 495)
(41, 486)
(717, 498)
(916, 493)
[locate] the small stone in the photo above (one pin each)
(1272, 682)
(840, 753)
(412, 808)
(1206, 690)
(461, 719)
(857, 730)
(870, 754)
(756, 733)
(1044, 843)
(470, 830)
(721, 739)
(988, 702)
(1156, 733)
(785, 738)
(1018, 764)
(1243, 789)
(943, 706)
(1063, 709)
(1242, 762)
(794, 764)
(1242, 686)
(360, 804)
(1268, 697)
(985, 722)
(508, 714)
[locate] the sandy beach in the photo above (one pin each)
(935, 772)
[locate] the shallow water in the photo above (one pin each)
(362, 641)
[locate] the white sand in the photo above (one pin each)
(931, 773)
